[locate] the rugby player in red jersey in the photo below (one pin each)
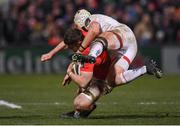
(96, 78)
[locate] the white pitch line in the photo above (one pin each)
(148, 103)
(10, 105)
(155, 103)
(44, 103)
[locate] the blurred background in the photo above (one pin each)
(29, 28)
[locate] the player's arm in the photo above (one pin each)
(50, 54)
(81, 80)
(83, 77)
(94, 30)
(67, 79)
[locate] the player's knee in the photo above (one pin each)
(118, 69)
(81, 103)
(77, 105)
(118, 72)
(118, 80)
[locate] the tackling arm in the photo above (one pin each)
(93, 30)
(50, 54)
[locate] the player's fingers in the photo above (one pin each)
(64, 82)
(43, 57)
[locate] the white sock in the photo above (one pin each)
(96, 49)
(130, 75)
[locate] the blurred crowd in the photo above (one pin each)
(43, 22)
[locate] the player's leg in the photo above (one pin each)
(84, 103)
(120, 74)
(97, 47)
(110, 40)
(83, 106)
(123, 75)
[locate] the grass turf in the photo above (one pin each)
(146, 100)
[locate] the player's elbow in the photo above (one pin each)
(83, 84)
(84, 79)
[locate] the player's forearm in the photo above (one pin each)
(58, 48)
(88, 39)
(79, 80)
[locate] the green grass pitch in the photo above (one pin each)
(146, 100)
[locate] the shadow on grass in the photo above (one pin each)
(119, 116)
(136, 116)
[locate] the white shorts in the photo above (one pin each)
(127, 53)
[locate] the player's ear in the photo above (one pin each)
(87, 22)
(79, 42)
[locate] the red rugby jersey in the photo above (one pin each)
(100, 68)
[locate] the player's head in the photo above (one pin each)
(81, 18)
(73, 38)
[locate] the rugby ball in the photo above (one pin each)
(77, 68)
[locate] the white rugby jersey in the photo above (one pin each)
(107, 23)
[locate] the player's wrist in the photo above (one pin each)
(51, 53)
(81, 48)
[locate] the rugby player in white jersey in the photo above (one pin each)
(111, 35)
(94, 77)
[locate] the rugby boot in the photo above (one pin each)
(83, 58)
(152, 68)
(67, 114)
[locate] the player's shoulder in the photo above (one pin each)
(93, 16)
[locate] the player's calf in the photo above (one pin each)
(129, 75)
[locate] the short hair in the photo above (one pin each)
(73, 36)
